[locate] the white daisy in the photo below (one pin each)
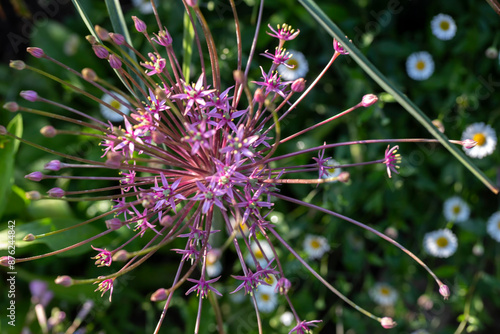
(300, 66)
(485, 137)
(420, 65)
(259, 254)
(315, 246)
(493, 226)
(266, 300)
(110, 114)
(456, 210)
(443, 27)
(240, 227)
(332, 171)
(440, 243)
(287, 318)
(213, 266)
(383, 294)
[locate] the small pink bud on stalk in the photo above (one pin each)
(114, 62)
(102, 33)
(444, 291)
(6, 261)
(192, 3)
(89, 74)
(35, 176)
(368, 100)
(56, 192)
(387, 323)
(121, 255)
(33, 195)
(117, 38)
(114, 224)
(140, 26)
(29, 95)
(29, 237)
(159, 295)
(17, 65)
(259, 96)
(166, 221)
(158, 137)
(299, 85)
(35, 52)
(11, 106)
(64, 280)
(3, 130)
(469, 143)
(344, 177)
(91, 39)
(239, 77)
(53, 165)
(113, 160)
(439, 125)
(48, 131)
(100, 51)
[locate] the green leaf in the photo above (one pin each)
(8, 149)
(187, 45)
(384, 83)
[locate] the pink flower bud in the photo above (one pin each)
(121, 255)
(91, 39)
(166, 221)
(444, 291)
(158, 137)
(368, 100)
(469, 143)
(53, 165)
(35, 176)
(387, 323)
(35, 52)
(239, 76)
(29, 237)
(6, 261)
(114, 223)
(11, 106)
(29, 95)
(114, 61)
(339, 48)
(48, 131)
(102, 33)
(114, 160)
(159, 295)
(33, 195)
(64, 280)
(192, 3)
(56, 192)
(117, 38)
(344, 177)
(299, 85)
(17, 65)
(3, 130)
(89, 74)
(100, 51)
(140, 26)
(259, 96)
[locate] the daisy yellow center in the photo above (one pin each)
(444, 25)
(258, 254)
(385, 291)
(442, 242)
(115, 104)
(420, 65)
(211, 260)
(265, 297)
(315, 244)
(269, 280)
(479, 138)
(293, 63)
(456, 209)
(498, 224)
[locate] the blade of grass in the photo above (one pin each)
(187, 46)
(378, 77)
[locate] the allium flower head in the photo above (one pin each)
(455, 209)
(443, 27)
(440, 243)
(484, 136)
(420, 65)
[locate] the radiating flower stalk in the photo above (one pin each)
(188, 152)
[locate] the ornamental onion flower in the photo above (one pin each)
(194, 160)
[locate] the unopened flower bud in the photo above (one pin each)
(29, 237)
(117, 38)
(89, 74)
(259, 96)
(11, 106)
(368, 100)
(56, 192)
(299, 85)
(239, 76)
(113, 160)
(344, 177)
(53, 165)
(469, 143)
(166, 221)
(114, 61)
(102, 33)
(158, 137)
(114, 224)
(387, 323)
(33, 195)
(91, 39)
(64, 280)
(192, 3)
(121, 255)
(6, 261)
(29, 95)
(444, 291)
(17, 65)
(100, 51)
(48, 131)
(35, 52)
(439, 125)
(35, 176)
(3, 130)
(491, 52)
(159, 295)
(140, 26)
